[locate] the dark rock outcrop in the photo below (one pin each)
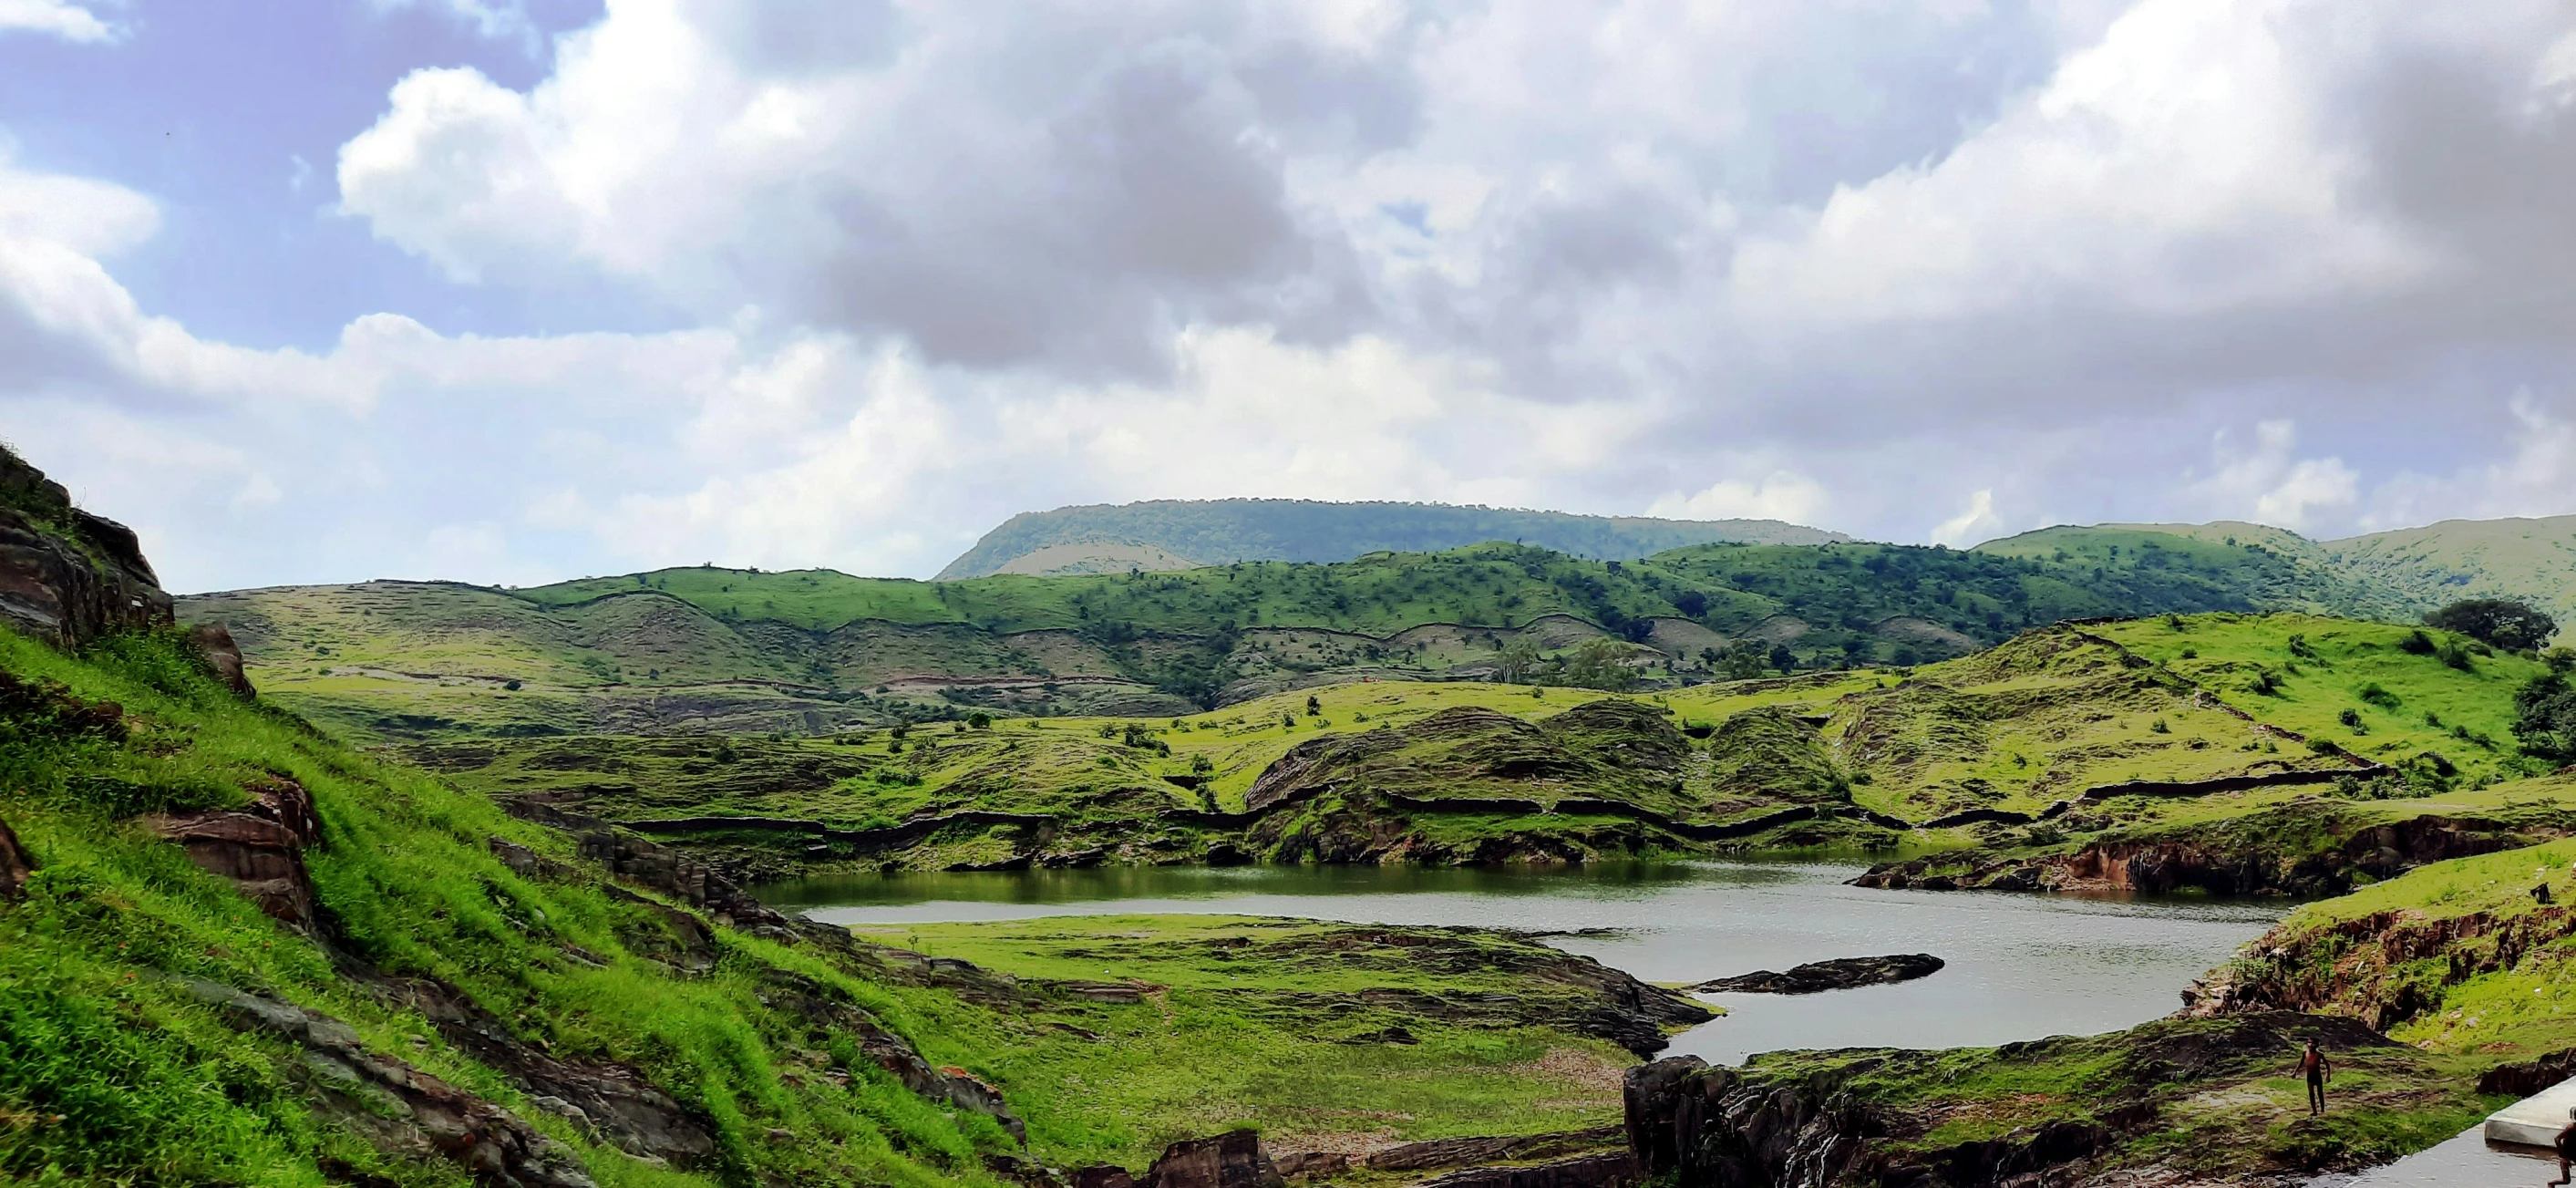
(15, 864)
(615, 1103)
(1840, 973)
(1609, 1169)
(2529, 1076)
(260, 847)
(66, 576)
(1461, 1152)
(657, 867)
(401, 1110)
(1230, 1160)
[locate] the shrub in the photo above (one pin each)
(2375, 694)
(2350, 717)
(2417, 643)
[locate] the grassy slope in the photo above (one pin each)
(1238, 1036)
(2532, 559)
(146, 1078)
(2342, 660)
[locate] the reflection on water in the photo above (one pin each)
(2466, 1161)
(2020, 966)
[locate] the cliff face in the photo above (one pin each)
(67, 576)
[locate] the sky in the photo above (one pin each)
(510, 291)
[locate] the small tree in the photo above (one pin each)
(1600, 663)
(2496, 622)
(1784, 659)
(1519, 662)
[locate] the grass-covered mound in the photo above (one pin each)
(1323, 1036)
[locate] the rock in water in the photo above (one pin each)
(1841, 973)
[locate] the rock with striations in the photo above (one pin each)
(260, 847)
(1841, 973)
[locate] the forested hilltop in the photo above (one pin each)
(1182, 533)
(814, 650)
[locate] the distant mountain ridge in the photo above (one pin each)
(1164, 534)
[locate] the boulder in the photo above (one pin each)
(260, 847)
(15, 864)
(214, 641)
(1230, 1160)
(1840, 973)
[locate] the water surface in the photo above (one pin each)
(2021, 966)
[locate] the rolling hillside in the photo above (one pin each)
(2061, 736)
(1183, 533)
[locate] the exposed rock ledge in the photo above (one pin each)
(1841, 973)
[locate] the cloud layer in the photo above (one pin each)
(1919, 271)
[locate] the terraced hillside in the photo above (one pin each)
(2060, 739)
(699, 650)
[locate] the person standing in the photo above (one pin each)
(2566, 1145)
(2320, 1070)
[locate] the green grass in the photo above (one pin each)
(1261, 1023)
(150, 1083)
(2319, 668)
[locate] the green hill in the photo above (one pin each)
(1181, 533)
(2529, 559)
(2398, 575)
(809, 651)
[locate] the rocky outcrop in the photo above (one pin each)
(2383, 969)
(2254, 855)
(2527, 1077)
(260, 847)
(399, 1109)
(1840, 973)
(66, 576)
(1230, 1160)
(15, 864)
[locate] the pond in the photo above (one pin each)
(2020, 966)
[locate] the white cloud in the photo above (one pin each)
(498, 21)
(2267, 484)
(1971, 524)
(1778, 495)
(60, 18)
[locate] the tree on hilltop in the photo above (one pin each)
(2504, 623)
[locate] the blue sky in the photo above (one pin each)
(513, 291)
